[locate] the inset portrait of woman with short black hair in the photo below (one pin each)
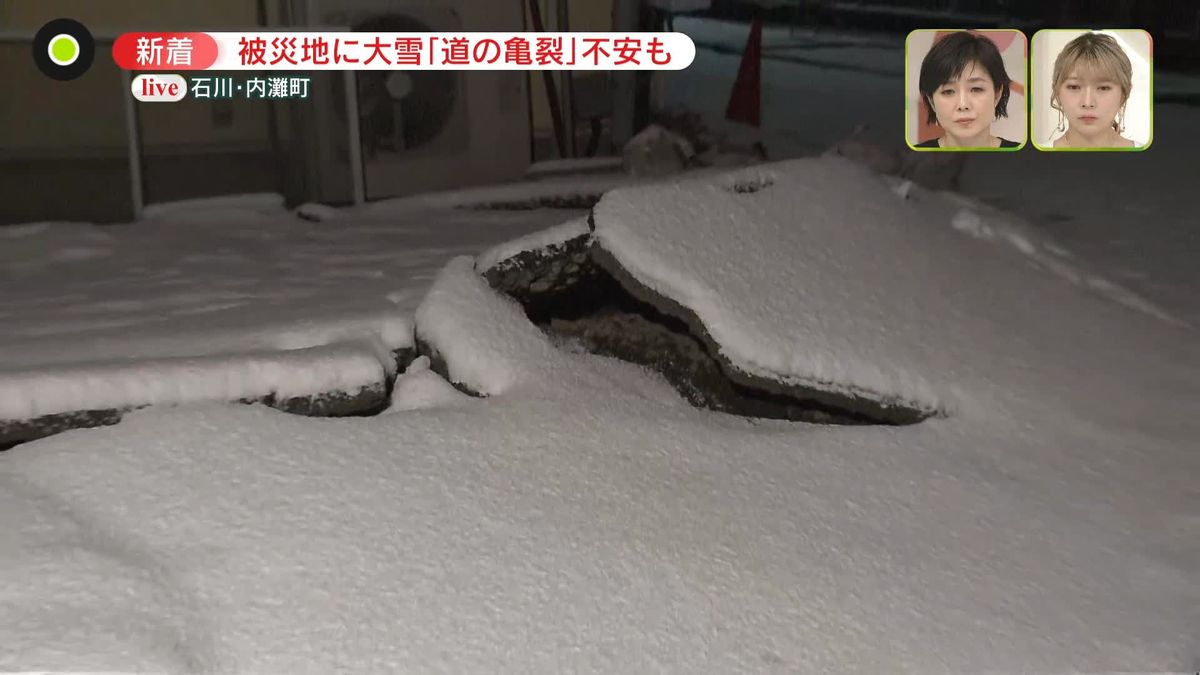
(1092, 89)
(966, 90)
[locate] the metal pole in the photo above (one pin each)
(355, 137)
(564, 25)
(552, 97)
(282, 183)
(133, 135)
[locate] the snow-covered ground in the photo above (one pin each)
(583, 517)
(140, 313)
(1132, 215)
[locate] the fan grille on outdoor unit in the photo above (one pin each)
(424, 112)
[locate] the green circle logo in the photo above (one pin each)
(63, 49)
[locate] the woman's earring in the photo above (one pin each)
(1121, 121)
(1062, 121)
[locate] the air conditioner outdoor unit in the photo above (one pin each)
(425, 130)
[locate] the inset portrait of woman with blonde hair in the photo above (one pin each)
(1092, 90)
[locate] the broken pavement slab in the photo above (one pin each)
(331, 381)
(813, 280)
(572, 287)
(602, 307)
(733, 389)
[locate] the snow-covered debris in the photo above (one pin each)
(860, 147)
(656, 151)
(932, 170)
(319, 213)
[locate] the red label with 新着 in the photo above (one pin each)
(164, 51)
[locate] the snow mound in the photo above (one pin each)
(481, 341)
(484, 338)
(419, 388)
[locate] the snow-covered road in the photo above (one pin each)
(584, 518)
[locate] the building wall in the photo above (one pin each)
(46, 119)
(64, 148)
(64, 145)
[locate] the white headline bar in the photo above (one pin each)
(451, 51)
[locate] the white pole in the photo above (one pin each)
(134, 138)
(355, 139)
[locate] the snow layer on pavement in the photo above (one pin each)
(1005, 228)
(302, 372)
(586, 519)
(559, 234)
(101, 309)
(1132, 220)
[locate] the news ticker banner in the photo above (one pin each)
(310, 51)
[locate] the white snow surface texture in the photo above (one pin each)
(583, 518)
(192, 304)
